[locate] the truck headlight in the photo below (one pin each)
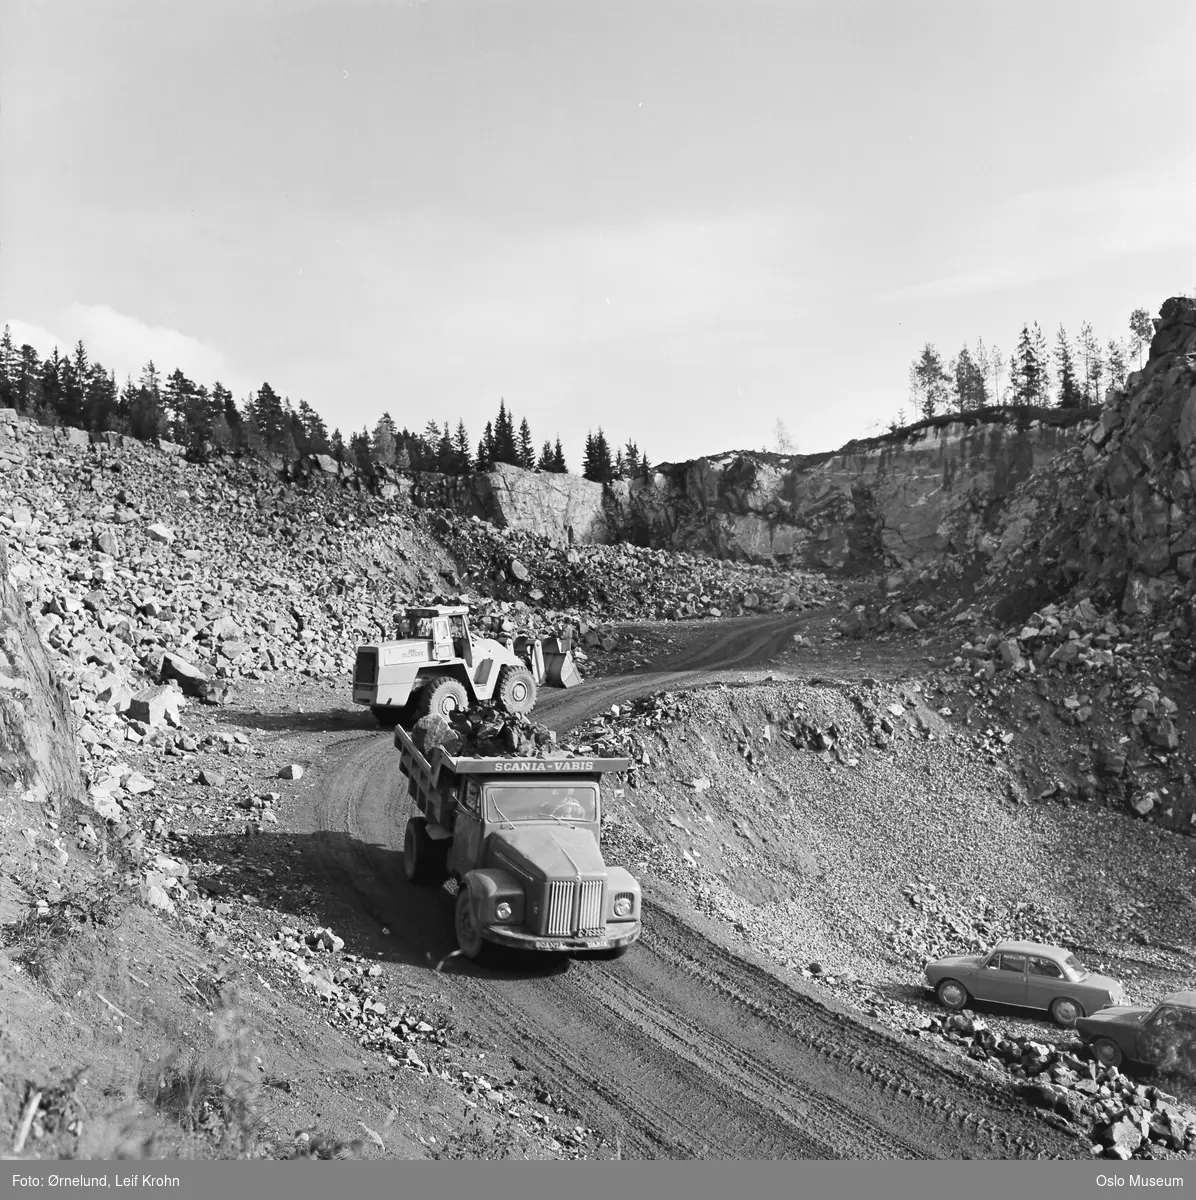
(503, 911)
(624, 903)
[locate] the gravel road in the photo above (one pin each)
(683, 1048)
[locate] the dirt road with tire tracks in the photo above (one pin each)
(683, 1048)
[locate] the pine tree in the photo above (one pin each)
(269, 419)
(995, 358)
(178, 397)
(620, 467)
(970, 390)
(1117, 363)
(558, 459)
(928, 382)
(9, 360)
(1093, 362)
(361, 452)
(1042, 396)
(544, 463)
(1069, 392)
(385, 446)
(100, 401)
(1141, 330)
(526, 452)
(337, 446)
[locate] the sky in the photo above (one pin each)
(682, 222)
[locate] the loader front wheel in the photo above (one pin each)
(442, 697)
(516, 691)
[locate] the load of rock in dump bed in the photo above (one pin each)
(486, 733)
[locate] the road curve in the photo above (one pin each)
(682, 1049)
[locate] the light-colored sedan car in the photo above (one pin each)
(1025, 974)
(1163, 1036)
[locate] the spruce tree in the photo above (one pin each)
(462, 458)
(503, 447)
(928, 382)
(484, 460)
(1069, 391)
(526, 451)
(544, 462)
(558, 459)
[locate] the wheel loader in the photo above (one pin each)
(438, 665)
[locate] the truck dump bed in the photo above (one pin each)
(435, 782)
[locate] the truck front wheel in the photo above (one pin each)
(469, 932)
(425, 861)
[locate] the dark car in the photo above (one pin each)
(1026, 974)
(1163, 1036)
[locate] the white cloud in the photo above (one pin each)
(124, 344)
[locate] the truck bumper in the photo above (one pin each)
(523, 940)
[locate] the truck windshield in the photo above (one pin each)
(415, 627)
(542, 803)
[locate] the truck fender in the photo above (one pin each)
(618, 879)
(488, 887)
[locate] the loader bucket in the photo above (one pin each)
(560, 670)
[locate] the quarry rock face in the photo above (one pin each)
(1138, 538)
(37, 740)
(901, 502)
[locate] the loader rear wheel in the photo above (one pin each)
(516, 691)
(425, 861)
(442, 697)
(387, 715)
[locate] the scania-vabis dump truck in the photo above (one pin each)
(522, 836)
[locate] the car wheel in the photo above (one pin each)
(952, 994)
(1064, 1011)
(469, 932)
(442, 697)
(1107, 1052)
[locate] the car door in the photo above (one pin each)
(1003, 979)
(1045, 982)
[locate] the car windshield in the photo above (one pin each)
(1074, 970)
(542, 802)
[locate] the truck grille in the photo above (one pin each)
(366, 668)
(574, 906)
